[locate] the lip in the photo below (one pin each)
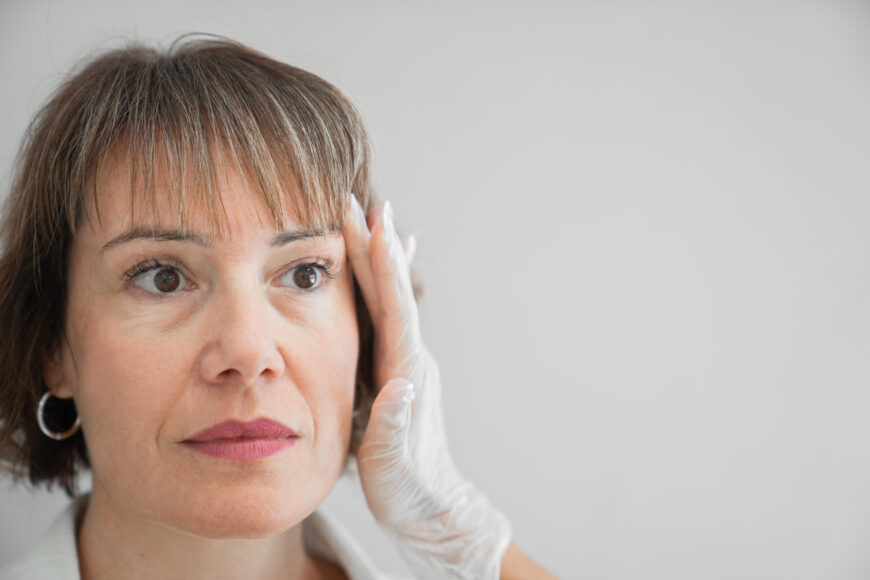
(239, 441)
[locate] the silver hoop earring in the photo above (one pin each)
(44, 428)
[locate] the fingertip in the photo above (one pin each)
(398, 388)
(410, 247)
(375, 215)
(387, 215)
(397, 383)
(354, 212)
(409, 394)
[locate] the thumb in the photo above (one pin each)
(391, 411)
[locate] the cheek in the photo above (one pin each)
(131, 367)
(127, 385)
(327, 373)
(323, 358)
(127, 364)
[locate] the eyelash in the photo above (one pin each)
(325, 265)
(147, 266)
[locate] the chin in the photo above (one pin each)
(245, 513)
(249, 524)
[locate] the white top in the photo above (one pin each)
(55, 556)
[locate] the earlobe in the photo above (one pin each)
(54, 376)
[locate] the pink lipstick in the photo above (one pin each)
(239, 441)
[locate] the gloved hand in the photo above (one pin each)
(442, 525)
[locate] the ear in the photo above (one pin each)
(55, 374)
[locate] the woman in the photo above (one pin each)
(205, 305)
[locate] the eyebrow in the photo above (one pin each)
(170, 235)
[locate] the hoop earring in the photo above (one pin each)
(40, 411)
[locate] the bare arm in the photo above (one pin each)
(516, 565)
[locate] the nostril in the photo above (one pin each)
(232, 360)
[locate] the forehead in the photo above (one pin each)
(125, 197)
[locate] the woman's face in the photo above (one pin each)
(169, 337)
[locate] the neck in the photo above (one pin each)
(115, 544)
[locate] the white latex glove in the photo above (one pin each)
(442, 525)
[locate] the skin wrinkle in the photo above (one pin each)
(200, 239)
(147, 373)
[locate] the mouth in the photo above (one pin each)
(238, 441)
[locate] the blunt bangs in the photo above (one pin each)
(208, 105)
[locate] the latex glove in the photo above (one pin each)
(441, 524)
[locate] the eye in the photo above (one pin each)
(156, 278)
(310, 276)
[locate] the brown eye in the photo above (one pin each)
(305, 277)
(167, 280)
(157, 279)
(308, 277)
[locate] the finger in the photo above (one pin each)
(374, 214)
(396, 390)
(409, 242)
(399, 320)
(392, 410)
(410, 245)
(357, 239)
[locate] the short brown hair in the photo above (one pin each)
(293, 136)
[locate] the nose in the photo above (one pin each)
(241, 345)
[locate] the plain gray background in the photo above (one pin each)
(643, 236)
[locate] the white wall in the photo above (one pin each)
(643, 234)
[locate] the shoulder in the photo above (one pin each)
(54, 557)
